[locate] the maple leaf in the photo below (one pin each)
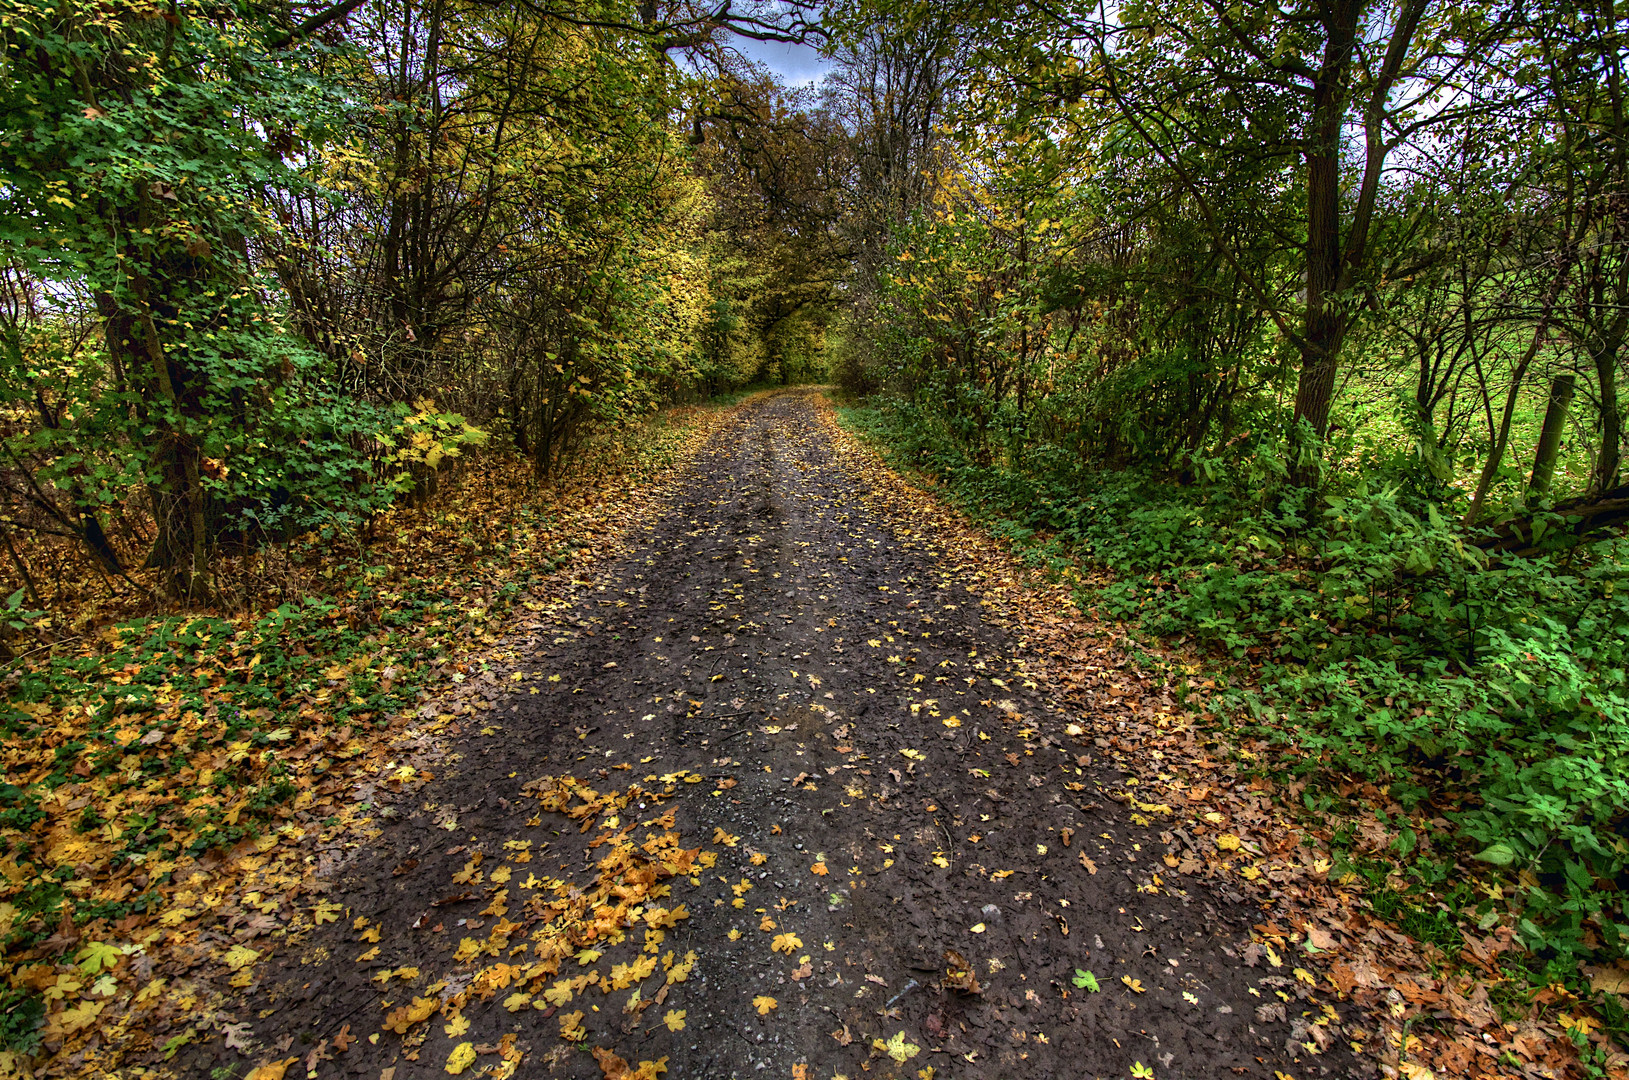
(722, 837)
(766, 924)
(462, 1057)
(239, 957)
(897, 1048)
(517, 1001)
(405, 1016)
(272, 1070)
(674, 1019)
(98, 956)
(1228, 842)
(1135, 985)
(764, 1004)
(325, 911)
(785, 943)
(681, 971)
(571, 1028)
(612, 1066)
(80, 1016)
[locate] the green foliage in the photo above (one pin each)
(1381, 642)
(22, 1012)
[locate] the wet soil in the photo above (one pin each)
(817, 690)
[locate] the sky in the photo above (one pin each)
(796, 65)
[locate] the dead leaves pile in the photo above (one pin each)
(548, 941)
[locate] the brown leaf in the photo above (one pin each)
(614, 1067)
(959, 974)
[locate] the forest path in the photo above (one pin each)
(809, 688)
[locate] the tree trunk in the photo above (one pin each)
(1549, 445)
(1607, 464)
(1325, 323)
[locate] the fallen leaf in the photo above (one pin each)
(897, 1048)
(462, 1057)
(764, 1004)
(674, 1019)
(272, 1070)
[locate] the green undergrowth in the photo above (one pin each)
(1371, 639)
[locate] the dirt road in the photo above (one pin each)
(773, 771)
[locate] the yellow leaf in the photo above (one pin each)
(1135, 985)
(325, 911)
(462, 1057)
(517, 1001)
(764, 1004)
(456, 1026)
(80, 1016)
(734, 935)
(819, 869)
(240, 956)
(272, 1070)
(674, 1019)
(681, 971)
(405, 1016)
(785, 943)
(571, 1026)
(1228, 842)
(897, 1048)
